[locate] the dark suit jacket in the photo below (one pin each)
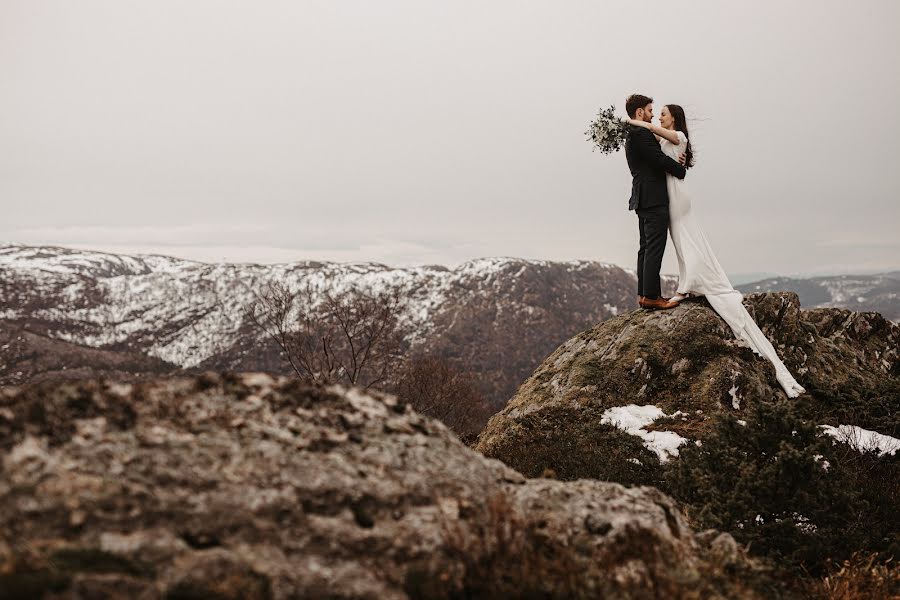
(649, 165)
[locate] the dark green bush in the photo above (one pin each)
(769, 485)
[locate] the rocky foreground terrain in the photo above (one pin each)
(249, 486)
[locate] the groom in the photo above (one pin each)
(649, 199)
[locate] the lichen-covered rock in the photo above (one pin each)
(247, 486)
(687, 359)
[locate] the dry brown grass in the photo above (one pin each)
(864, 575)
(498, 554)
(692, 427)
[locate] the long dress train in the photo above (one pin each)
(700, 273)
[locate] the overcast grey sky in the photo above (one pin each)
(420, 132)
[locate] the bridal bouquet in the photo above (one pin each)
(607, 131)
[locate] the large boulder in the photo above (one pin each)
(248, 486)
(615, 401)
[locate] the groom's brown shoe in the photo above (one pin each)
(657, 303)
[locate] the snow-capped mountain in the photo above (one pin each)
(495, 317)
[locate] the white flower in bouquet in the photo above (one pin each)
(607, 131)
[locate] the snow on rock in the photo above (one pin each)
(735, 397)
(863, 439)
(632, 418)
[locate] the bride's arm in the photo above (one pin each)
(650, 149)
(669, 134)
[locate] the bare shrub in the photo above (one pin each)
(434, 387)
(350, 336)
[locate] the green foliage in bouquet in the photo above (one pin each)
(607, 131)
(788, 491)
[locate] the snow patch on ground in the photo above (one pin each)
(733, 392)
(633, 418)
(735, 398)
(863, 439)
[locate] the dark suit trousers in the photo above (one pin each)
(653, 224)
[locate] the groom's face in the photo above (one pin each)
(645, 114)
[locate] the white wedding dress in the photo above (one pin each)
(701, 274)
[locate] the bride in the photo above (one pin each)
(699, 273)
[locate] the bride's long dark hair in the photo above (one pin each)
(681, 125)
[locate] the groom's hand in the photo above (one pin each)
(682, 159)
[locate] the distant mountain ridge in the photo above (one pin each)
(496, 318)
(878, 292)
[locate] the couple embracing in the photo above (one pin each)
(658, 157)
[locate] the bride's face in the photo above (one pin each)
(666, 119)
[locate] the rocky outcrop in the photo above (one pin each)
(687, 363)
(246, 486)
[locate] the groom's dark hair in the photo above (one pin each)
(634, 102)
